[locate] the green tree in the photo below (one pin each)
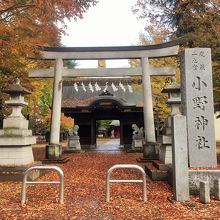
(70, 64)
(104, 123)
(45, 100)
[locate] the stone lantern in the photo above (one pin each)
(174, 100)
(15, 137)
(174, 96)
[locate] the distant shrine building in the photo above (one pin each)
(115, 100)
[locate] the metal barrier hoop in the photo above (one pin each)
(125, 166)
(25, 182)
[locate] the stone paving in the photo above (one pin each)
(109, 145)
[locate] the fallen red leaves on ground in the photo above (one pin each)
(85, 181)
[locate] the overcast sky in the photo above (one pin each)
(109, 23)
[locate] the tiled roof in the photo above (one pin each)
(70, 103)
(72, 98)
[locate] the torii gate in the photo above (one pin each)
(92, 53)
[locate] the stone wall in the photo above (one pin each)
(195, 176)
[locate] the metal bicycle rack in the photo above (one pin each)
(125, 166)
(25, 182)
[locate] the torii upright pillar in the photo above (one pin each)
(54, 149)
(149, 129)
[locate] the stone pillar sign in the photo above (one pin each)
(197, 97)
(180, 158)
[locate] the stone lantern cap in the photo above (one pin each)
(173, 90)
(174, 87)
(16, 89)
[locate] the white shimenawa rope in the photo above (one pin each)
(76, 87)
(83, 87)
(97, 87)
(130, 89)
(122, 87)
(114, 88)
(106, 87)
(91, 87)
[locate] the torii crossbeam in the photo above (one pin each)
(143, 53)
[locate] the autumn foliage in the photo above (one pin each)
(84, 191)
(24, 26)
